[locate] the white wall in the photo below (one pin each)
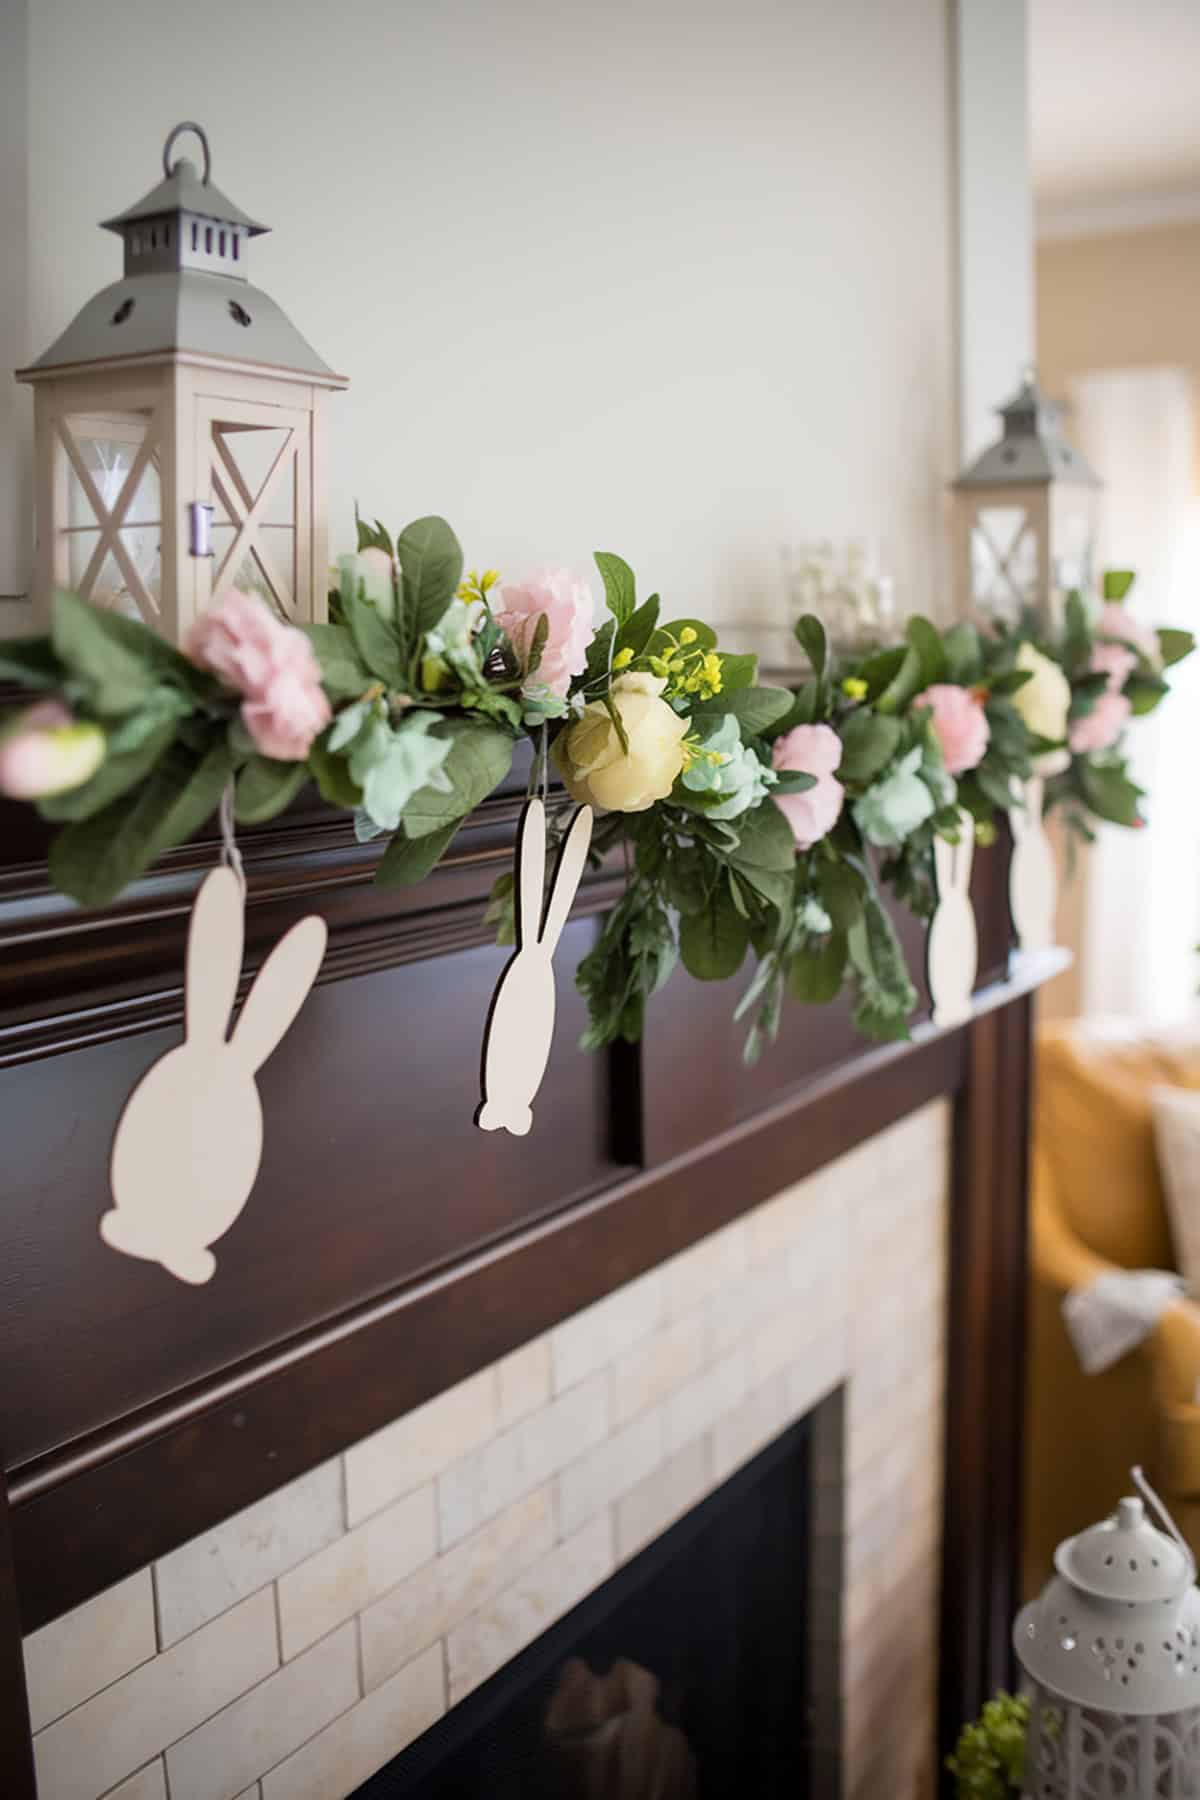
(15, 498)
(670, 278)
(995, 212)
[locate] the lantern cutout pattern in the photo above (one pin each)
(179, 424)
(1111, 1653)
(1025, 517)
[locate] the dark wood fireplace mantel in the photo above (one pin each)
(389, 1249)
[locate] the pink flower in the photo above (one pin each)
(1115, 661)
(1116, 621)
(1100, 729)
(813, 750)
(45, 750)
(272, 665)
(959, 723)
(567, 604)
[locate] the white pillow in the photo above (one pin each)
(1177, 1139)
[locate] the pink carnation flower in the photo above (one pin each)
(1115, 661)
(566, 603)
(813, 750)
(1100, 729)
(959, 723)
(1116, 621)
(272, 665)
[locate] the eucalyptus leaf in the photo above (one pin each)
(926, 640)
(375, 640)
(739, 672)
(756, 709)
(869, 742)
(810, 635)
(407, 861)
(332, 775)
(661, 640)
(765, 856)
(904, 685)
(963, 653)
(816, 970)
(638, 628)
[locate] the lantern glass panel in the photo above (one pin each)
(111, 528)
(1071, 541)
(1003, 561)
(255, 508)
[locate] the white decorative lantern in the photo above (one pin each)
(1111, 1651)
(1025, 517)
(179, 425)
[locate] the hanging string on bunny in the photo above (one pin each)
(231, 856)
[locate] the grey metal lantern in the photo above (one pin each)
(1111, 1653)
(179, 424)
(1025, 516)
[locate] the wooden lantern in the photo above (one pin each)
(1025, 518)
(179, 425)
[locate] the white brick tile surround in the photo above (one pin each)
(292, 1651)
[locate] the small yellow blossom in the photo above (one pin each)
(687, 635)
(490, 578)
(854, 688)
(623, 658)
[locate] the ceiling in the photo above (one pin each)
(1115, 104)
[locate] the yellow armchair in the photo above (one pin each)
(1096, 1202)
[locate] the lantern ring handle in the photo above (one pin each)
(188, 125)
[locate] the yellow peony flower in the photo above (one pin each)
(1043, 702)
(596, 769)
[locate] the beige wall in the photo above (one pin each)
(674, 279)
(1126, 299)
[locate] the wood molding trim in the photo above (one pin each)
(16, 1744)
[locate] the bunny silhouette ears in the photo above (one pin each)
(544, 924)
(188, 1145)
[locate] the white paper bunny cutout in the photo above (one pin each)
(952, 953)
(520, 1027)
(1032, 879)
(188, 1144)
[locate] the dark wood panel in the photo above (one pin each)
(16, 1747)
(106, 1507)
(372, 1173)
(985, 1366)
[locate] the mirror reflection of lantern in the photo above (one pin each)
(179, 425)
(1111, 1655)
(1025, 518)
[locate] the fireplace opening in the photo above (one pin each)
(687, 1676)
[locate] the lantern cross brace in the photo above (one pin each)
(246, 511)
(1003, 558)
(109, 520)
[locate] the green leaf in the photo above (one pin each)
(869, 742)
(1108, 791)
(963, 653)
(713, 943)
(344, 674)
(480, 757)
(406, 861)
(1078, 638)
(116, 678)
(265, 787)
(756, 709)
(793, 781)
(332, 775)
(115, 776)
(32, 663)
(1144, 693)
(1173, 645)
(804, 708)
(765, 856)
(431, 561)
(815, 972)
(371, 537)
(638, 628)
(840, 892)
(1117, 583)
(1010, 681)
(94, 859)
(739, 672)
(886, 995)
(880, 670)
(619, 588)
(375, 640)
(926, 640)
(537, 645)
(598, 652)
(810, 635)
(905, 683)
(705, 639)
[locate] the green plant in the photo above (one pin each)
(989, 1758)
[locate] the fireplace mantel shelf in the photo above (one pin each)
(389, 1250)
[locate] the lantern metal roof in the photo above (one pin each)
(184, 291)
(1033, 451)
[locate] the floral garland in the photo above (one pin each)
(752, 818)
